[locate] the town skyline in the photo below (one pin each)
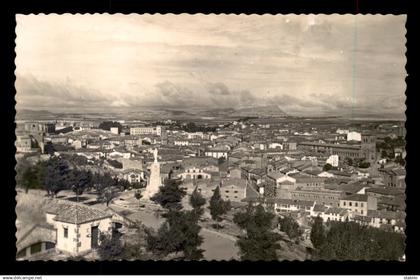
(321, 65)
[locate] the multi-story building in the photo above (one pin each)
(34, 127)
(158, 130)
(393, 177)
(359, 203)
(291, 205)
(320, 196)
(216, 153)
(23, 144)
(194, 173)
(366, 150)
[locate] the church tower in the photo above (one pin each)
(154, 181)
(368, 147)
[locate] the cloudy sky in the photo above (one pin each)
(304, 63)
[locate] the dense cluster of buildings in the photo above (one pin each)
(281, 164)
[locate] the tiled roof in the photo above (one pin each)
(385, 191)
(320, 208)
(251, 193)
(77, 213)
(275, 175)
(234, 181)
(336, 210)
(356, 197)
(36, 233)
(384, 214)
(291, 201)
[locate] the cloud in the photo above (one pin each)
(304, 63)
(32, 92)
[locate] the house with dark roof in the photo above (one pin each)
(78, 227)
(393, 176)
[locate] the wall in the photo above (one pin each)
(70, 244)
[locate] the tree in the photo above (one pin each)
(178, 234)
(28, 175)
(317, 233)
(290, 227)
(138, 196)
(79, 181)
(221, 160)
(101, 182)
(108, 124)
(49, 148)
(170, 195)
(327, 167)
(55, 174)
(107, 195)
(259, 242)
(110, 246)
(197, 201)
(364, 164)
(400, 160)
(218, 206)
(352, 241)
(348, 161)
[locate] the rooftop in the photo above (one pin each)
(292, 202)
(353, 147)
(76, 213)
(356, 197)
(336, 210)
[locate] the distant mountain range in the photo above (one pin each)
(259, 111)
(150, 113)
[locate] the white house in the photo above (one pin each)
(194, 173)
(215, 153)
(335, 214)
(181, 142)
(354, 136)
(333, 160)
(290, 205)
(275, 146)
(133, 175)
(78, 227)
(342, 131)
(114, 130)
(278, 178)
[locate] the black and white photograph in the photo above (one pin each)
(187, 137)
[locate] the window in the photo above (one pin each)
(235, 191)
(361, 204)
(350, 204)
(66, 232)
(344, 203)
(361, 212)
(21, 254)
(226, 191)
(36, 248)
(49, 245)
(356, 204)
